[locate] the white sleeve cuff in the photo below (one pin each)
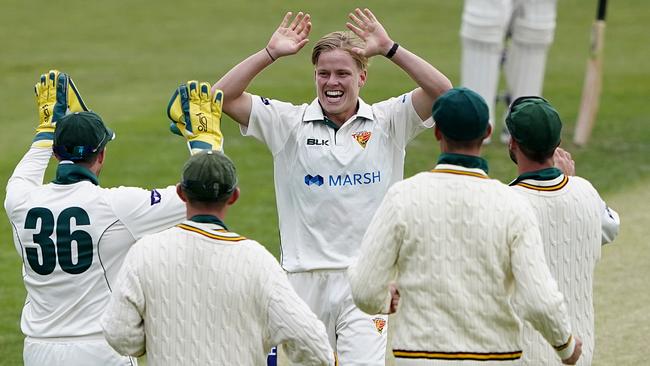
(566, 350)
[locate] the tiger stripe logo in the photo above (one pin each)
(380, 324)
(362, 137)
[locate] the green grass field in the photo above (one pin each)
(126, 57)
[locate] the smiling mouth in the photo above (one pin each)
(334, 95)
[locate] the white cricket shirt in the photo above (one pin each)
(329, 183)
(73, 237)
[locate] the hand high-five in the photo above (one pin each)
(290, 37)
(368, 28)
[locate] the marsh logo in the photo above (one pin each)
(343, 180)
(316, 179)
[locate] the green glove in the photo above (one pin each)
(56, 96)
(196, 114)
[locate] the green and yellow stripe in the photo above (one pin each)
(552, 188)
(460, 172)
(459, 356)
(211, 235)
(562, 347)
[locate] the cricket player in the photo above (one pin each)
(334, 159)
(460, 247)
(574, 221)
(200, 294)
(528, 25)
(71, 233)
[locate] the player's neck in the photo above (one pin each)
(526, 165)
(220, 213)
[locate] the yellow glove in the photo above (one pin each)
(56, 96)
(196, 115)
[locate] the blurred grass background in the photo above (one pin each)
(126, 57)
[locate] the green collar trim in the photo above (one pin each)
(70, 173)
(467, 161)
(329, 123)
(542, 175)
(208, 219)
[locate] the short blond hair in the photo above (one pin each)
(345, 40)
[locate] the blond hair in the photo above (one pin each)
(344, 40)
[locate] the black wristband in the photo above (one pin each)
(392, 50)
(269, 52)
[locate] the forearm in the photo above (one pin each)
(237, 103)
(433, 82)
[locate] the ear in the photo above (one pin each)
(179, 192)
(101, 156)
(437, 133)
(488, 131)
(233, 198)
(363, 75)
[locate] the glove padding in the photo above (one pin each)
(196, 115)
(56, 96)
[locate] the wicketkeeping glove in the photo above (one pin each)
(56, 96)
(196, 114)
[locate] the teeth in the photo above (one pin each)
(333, 93)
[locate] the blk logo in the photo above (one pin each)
(155, 197)
(316, 179)
(317, 142)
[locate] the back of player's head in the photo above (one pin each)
(344, 40)
(461, 115)
(209, 176)
(80, 136)
(535, 125)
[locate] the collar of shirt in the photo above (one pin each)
(314, 112)
(208, 219)
(466, 161)
(545, 174)
(69, 173)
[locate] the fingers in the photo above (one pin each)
(297, 20)
(304, 24)
(204, 92)
(363, 16)
(184, 93)
(369, 15)
(285, 20)
(356, 30)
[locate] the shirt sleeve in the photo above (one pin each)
(272, 122)
(375, 267)
(403, 121)
(123, 319)
(146, 211)
(293, 324)
(611, 223)
(537, 297)
(29, 173)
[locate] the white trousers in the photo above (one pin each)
(72, 352)
(359, 339)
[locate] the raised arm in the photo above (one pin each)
(432, 83)
(288, 39)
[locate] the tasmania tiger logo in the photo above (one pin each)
(379, 324)
(362, 138)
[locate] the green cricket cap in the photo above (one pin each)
(534, 124)
(80, 134)
(209, 176)
(461, 114)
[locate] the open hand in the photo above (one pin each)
(290, 37)
(563, 161)
(368, 28)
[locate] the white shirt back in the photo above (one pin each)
(73, 239)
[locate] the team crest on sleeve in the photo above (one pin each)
(362, 137)
(380, 324)
(155, 197)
